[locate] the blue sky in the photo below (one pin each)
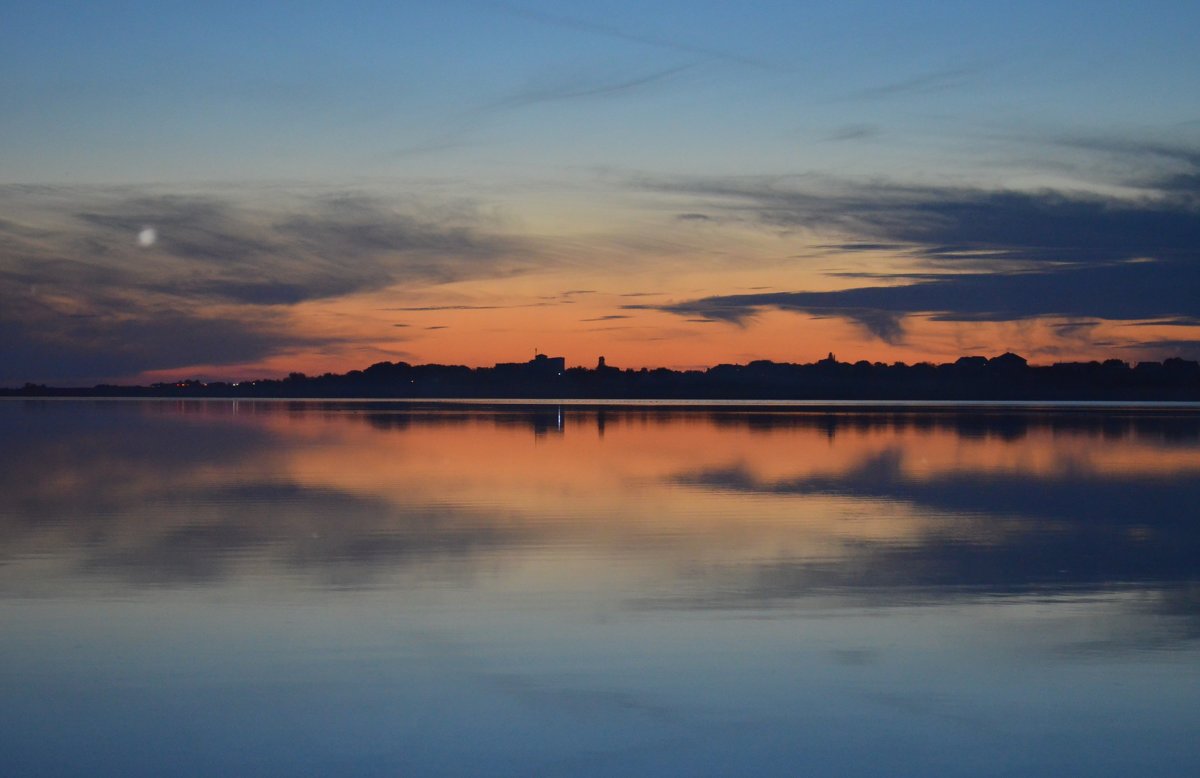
(168, 92)
(586, 129)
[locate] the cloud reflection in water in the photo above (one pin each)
(465, 588)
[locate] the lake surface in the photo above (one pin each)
(321, 588)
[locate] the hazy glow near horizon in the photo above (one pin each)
(317, 188)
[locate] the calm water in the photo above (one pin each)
(388, 589)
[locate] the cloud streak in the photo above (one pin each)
(988, 255)
(557, 88)
(934, 81)
(581, 88)
(652, 40)
(84, 299)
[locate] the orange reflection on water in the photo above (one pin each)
(571, 450)
(620, 471)
(190, 491)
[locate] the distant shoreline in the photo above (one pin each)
(1005, 378)
(680, 404)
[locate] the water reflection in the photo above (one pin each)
(602, 589)
(948, 501)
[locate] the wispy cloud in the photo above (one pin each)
(39, 345)
(568, 296)
(989, 255)
(577, 87)
(320, 247)
(1136, 147)
(850, 132)
(1177, 321)
(551, 88)
(1145, 162)
(958, 223)
(1189, 348)
(609, 317)
(933, 81)
(645, 38)
(448, 308)
(107, 282)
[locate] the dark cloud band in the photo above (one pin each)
(986, 255)
(103, 283)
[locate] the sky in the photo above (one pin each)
(240, 190)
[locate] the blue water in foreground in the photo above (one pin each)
(318, 588)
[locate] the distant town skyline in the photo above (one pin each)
(226, 190)
(1004, 377)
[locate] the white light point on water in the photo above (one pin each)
(147, 236)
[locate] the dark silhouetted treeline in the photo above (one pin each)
(1006, 377)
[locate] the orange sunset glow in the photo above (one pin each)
(562, 388)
